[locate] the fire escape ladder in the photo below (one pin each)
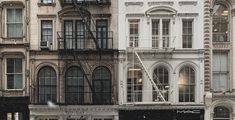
(149, 78)
(86, 22)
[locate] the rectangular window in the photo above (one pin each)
(46, 1)
(133, 33)
(14, 22)
(46, 30)
(187, 34)
(160, 33)
(155, 34)
(14, 73)
(165, 32)
(220, 71)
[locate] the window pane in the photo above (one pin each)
(47, 30)
(133, 34)
(14, 22)
(187, 33)
(221, 113)
(47, 85)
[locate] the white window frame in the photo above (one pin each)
(6, 28)
(5, 71)
(160, 34)
(136, 37)
(46, 1)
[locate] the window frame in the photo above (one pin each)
(191, 20)
(6, 22)
(80, 94)
(223, 118)
(53, 86)
(136, 37)
(102, 81)
(23, 72)
(222, 52)
(164, 85)
(42, 30)
(227, 35)
(184, 85)
(161, 42)
(136, 95)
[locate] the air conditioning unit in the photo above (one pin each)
(44, 44)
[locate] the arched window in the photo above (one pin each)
(47, 85)
(134, 85)
(221, 113)
(186, 83)
(161, 79)
(220, 16)
(74, 81)
(101, 86)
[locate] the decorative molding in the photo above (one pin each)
(135, 15)
(134, 3)
(221, 46)
(47, 4)
(102, 15)
(161, 3)
(194, 3)
(46, 16)
(187, 14)
(10, 3)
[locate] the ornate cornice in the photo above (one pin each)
(170, 3)
(134, 3)
(194, 3)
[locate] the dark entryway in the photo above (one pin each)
(161, 115)
(14, 108)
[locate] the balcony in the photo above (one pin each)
(82, 41)
(85, 2)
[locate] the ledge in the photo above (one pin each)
(47, 4)
(194, 3)
(161, 3)
(134, 3)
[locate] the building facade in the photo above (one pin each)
(219, 19)
(73, 60)
(161, 66)
(14, 58)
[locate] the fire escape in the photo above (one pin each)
(85, 42)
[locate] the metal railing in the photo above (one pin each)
(220, 37)
(81, 40)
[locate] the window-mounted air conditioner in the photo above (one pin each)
(44, 44)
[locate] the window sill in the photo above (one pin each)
(47, 4)
(13, 90)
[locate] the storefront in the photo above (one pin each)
(14, 108)
(182, 114)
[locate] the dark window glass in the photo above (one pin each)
(187, 33)
(47, 30)
(101, 86)
(74, 86)
(221, 113)
(47, 85)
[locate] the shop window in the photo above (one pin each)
(14, 116)
(101, 86)
(221, 113)
(161, 79)
(134, 84)
(47, 85)
(220, 71)
(186, 84)
(14, 22)
(74, 80)
(14, 73)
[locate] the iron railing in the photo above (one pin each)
(81, 40)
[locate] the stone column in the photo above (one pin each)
(232, 36)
